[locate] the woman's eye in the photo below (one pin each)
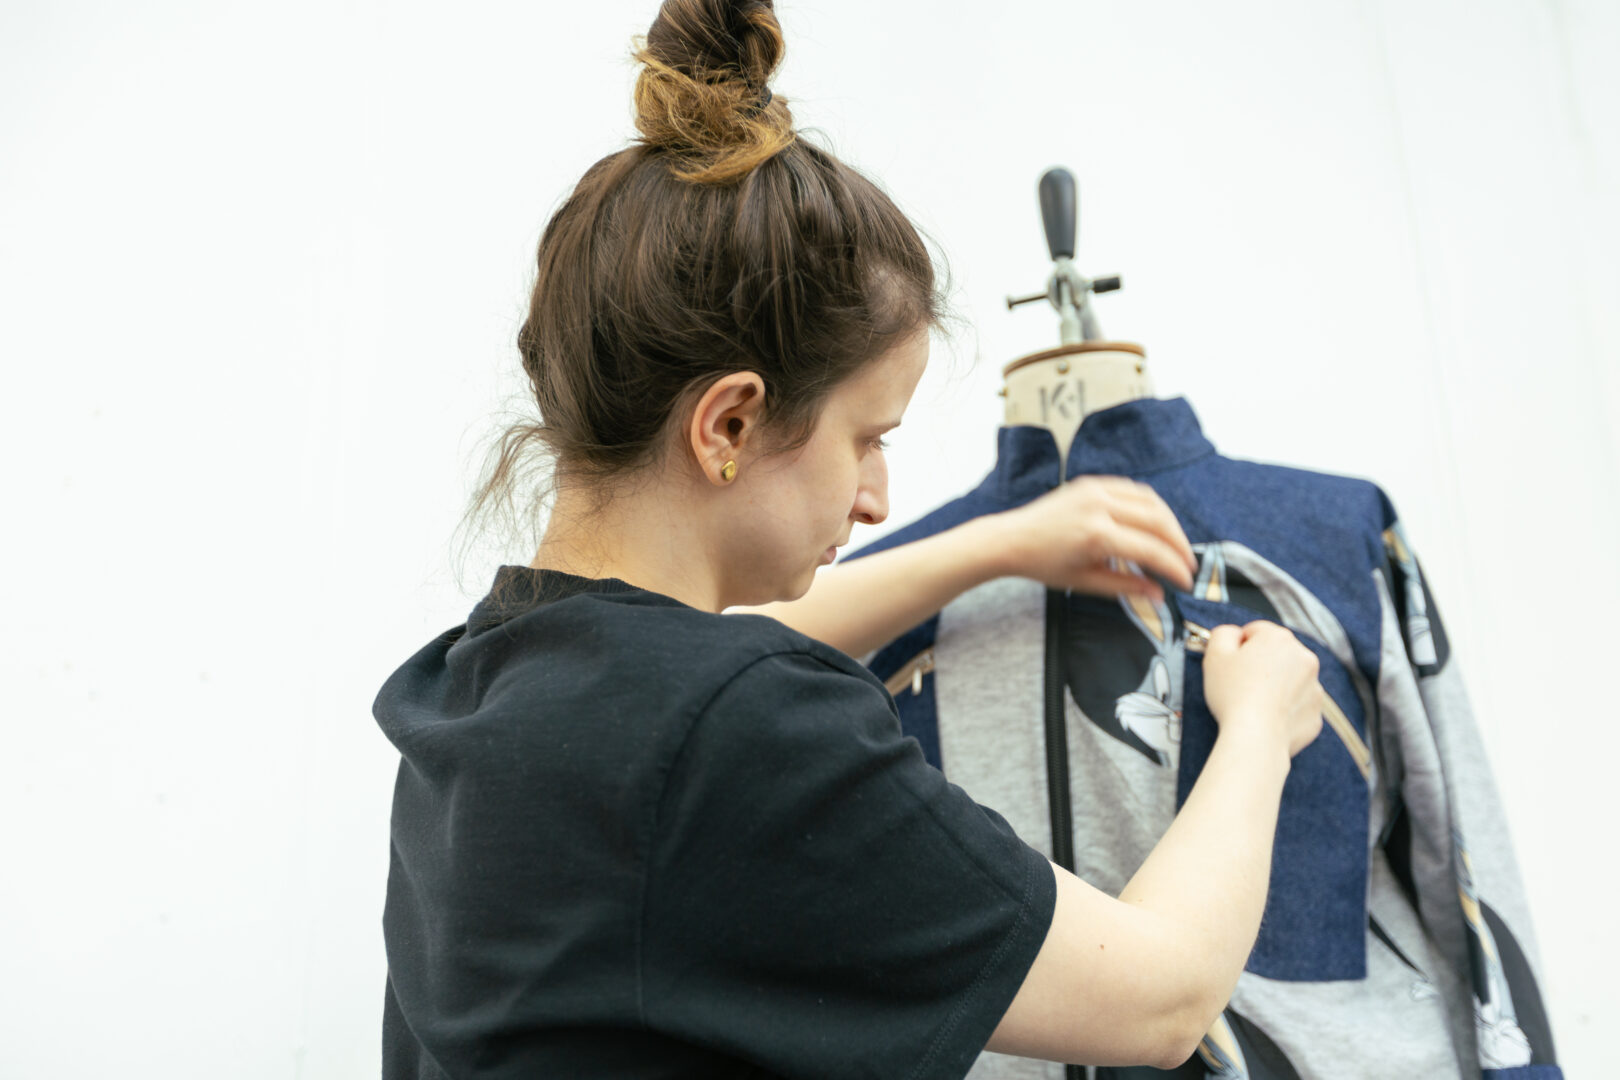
(878, 444)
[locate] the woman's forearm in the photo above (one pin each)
(1207, 877)
(1074, 537)
(860, 605)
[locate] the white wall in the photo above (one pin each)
(260, 271)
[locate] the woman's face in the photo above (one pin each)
(804, 503)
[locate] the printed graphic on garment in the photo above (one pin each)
(1510, 1020)
(1502, 984)
(1234, 1049)
(1129, 684)
(1152, 713)
(1121, 662)
(1219, 584)
(1425, 637)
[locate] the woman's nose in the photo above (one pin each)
(872, 504)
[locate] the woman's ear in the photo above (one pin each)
(725, 420)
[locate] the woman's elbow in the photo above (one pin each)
(1189, 1023)
(1188, 1007)
(1177, 1048)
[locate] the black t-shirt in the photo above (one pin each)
(636, 839)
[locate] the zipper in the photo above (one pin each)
(1058, 795)
(1057, 748)
(910, 675)
(1057, 734)
(1332, 715)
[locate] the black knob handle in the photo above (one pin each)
(1058, 211)
(1105, 284)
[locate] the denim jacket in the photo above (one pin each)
(1396, 940)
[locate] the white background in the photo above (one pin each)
(261, 267)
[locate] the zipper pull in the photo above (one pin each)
(924, 664)
(1197, 637)
(910, 674)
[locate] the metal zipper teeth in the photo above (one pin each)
(910, 674)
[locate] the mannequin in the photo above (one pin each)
(1058, 388)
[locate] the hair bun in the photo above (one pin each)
(702, 95)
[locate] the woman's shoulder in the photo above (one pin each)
(770, 640)
(622, 630)
(567, 664)
(701, 648)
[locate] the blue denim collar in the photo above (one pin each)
(1132, 439)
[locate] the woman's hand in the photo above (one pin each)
(1066, 538)
(1259, 679)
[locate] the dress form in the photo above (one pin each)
(1058, 388)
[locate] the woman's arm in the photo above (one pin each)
(860, 605)
(1142, 978)
(1063, 539)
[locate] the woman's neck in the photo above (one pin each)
(633, 537)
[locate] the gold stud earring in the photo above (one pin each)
(728, 471)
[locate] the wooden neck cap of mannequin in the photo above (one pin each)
(1058, 388)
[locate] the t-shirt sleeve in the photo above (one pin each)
(819, 899)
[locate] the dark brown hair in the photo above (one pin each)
(719, 241)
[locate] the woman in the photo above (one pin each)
(636, 836)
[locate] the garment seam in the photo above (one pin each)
(975, 988)
(1208, 453)
(1448, 807)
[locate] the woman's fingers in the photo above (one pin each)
(1139, 505)
(1146, 549)
(1077, 528)
(1157, 512)
(1151, 515)
(1224, 639)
